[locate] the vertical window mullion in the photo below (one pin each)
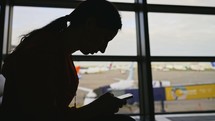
(144, 65)
(2, 21)
(9, 34)
(4, 30)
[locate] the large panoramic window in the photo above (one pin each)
(181, 58)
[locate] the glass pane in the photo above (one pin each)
(184, 2)
(181, 34)
(184, 86)
(26, 19)
(125, 41)
(96, 78)
(23, 22)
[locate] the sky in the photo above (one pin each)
(170, 34)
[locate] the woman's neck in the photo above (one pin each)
(71, 39)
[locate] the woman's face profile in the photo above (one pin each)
(97, 40)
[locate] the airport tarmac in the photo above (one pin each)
(175, 77)
(96, 80)
(185, 77)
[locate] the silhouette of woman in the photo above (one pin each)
(41, 79)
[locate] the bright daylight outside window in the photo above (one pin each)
(182, 86)
(179, 35)
(24, 22)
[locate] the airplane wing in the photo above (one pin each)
(90, 96)
(85, 89)
(118, 79)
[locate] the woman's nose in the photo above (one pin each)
(102, 50)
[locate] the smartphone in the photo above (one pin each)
(125, 96)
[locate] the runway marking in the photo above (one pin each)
(161, 118)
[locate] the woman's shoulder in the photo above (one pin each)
(33, 56)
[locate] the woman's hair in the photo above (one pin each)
(105, 13)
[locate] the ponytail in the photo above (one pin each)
(57, 25)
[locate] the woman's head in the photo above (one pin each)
(100, 22)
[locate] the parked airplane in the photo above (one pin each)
(125, 83)
(90, 70)
(120, 87)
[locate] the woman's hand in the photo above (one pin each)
(108, 103)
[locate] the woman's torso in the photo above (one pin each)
(38, 82)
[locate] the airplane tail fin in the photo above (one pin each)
(131, 72)
(110, 66)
